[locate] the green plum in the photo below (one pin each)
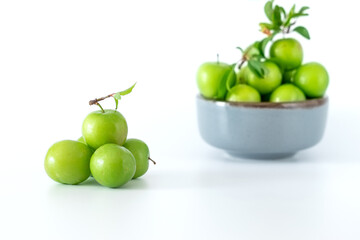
(287, 53)
(100, 128)
(141, 153)
(212, 78)
(82, 140)
(313, 79)
(112, 165)
(287, 93)
(288, 76)
(243, 93)
(251, 51)
(68, 162)
(242, 74)
(270, 81)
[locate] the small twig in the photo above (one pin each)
(290, 25)
(97, 100)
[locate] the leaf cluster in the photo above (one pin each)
(255, 56)
(280, 21)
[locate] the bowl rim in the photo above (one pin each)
(309, 103)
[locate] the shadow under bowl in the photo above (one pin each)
(262, 130)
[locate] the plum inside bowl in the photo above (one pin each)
(262, 130)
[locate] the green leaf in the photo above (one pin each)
(302, 31)
(282, 10)
(266, 25)
(263, 44)
(292, 10)
(116, 103)
(301, 12)
(268, 9)
(256, 47)
(300, 15)
(127, 91)
(277, 17)
(231, 75)
(303, 9)
(117, 96)
(289, 16)
(226, 82)
(257, 67)
(242, 50)
(257, 57)
(256, 44)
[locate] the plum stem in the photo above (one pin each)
(286, 29)
(152, 161)
(240, 63)
(100, 107)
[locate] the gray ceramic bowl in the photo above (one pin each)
(262, 130)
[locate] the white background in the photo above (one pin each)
(57, 55)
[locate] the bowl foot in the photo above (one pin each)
(261, 155)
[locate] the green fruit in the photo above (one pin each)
(112, 165)
(242, 75)
(82, 140)
(212, 78)
(287, 93)
(288, 76)
(68, 162)
(243, 93)
(251, 51)
(287, 53)
(100, 128)
(313, 79)
(141, 153)
(270, 81)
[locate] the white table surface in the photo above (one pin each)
(196, 192)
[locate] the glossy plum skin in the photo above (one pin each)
(287, 93)
(211, 80)
(287, 53)
(288, 76)
(101, 128)
(112, 165)
(242, 75)
(313, 79)
(141, 153)
(243, 93)
(68, 162)
(270, 81)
